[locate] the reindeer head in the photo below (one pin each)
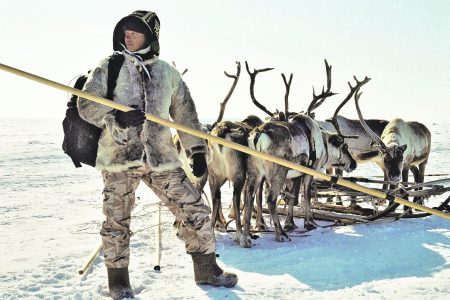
(393, 161)
(252, 121)
(338, 154)
(392, 155)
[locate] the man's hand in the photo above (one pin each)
(199, 165)
(130, 118)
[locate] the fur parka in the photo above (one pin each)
(161, 92)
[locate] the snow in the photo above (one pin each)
(51, 216)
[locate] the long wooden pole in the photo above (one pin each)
(91, 259)
(236, 146)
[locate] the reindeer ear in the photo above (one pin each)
(368, 155)
(374, 144)
(403, 147)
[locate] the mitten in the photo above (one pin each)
(130, 118)
(199, 165)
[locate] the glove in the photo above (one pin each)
(130, 118)
(198, 165)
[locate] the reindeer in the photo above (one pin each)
(351, 127)
(403, 146)
(299, 140)
(226, 164)
(357, 139)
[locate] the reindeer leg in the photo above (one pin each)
(419, 174)
(309, 221)
(217, 217)
(330, 171)
(292, 188)
(339, 173)
(260, 223)
(275, 189)
(237, 189)
(422, 166)
(245, 240)
(405, 173)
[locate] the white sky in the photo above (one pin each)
(404, 46)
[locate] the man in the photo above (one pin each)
(131, 150)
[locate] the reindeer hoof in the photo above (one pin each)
(290, 226)
(283, 238)
(238, 237)
(355, 206)
(261, 227)
(221, 227)
(309, 227)
(245, 242)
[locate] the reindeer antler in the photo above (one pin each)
(286, 96)
(377, 140)
(230, 92)
(175, 66)
(319, 99)
(252, 86)
(353, 90)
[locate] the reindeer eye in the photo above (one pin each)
(345, 147)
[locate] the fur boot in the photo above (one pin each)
(207, 271)
(119, 284)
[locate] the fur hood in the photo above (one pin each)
(157, 88)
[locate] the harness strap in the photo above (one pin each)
(115, 63)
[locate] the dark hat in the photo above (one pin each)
(135, 26)
(141, 21)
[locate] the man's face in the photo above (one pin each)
(134, 41)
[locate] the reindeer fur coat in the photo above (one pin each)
(161, 92)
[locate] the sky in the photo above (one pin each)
(402, 45)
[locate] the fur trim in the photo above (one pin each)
(196, 149)
(263, 143)
(168, 166)
(293, 174)
(113, 157)
(115, 168)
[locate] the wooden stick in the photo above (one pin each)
(381, 176)
(158, 240)
(91, 259)
(232, 145)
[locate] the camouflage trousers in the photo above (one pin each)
(174, 190)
